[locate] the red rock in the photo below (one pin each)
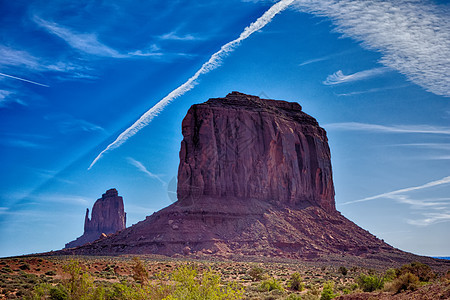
(250, 148)
(254, 180)
(108, 217)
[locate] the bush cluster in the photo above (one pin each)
(270, 285)
(370, 283)
(184, 283)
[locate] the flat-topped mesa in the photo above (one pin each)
(245, 147)
(108, 216)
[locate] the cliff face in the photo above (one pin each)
(108, 216)
(250, 148)
(254, 179)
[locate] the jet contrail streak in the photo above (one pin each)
(445, 180)
(214, 61)
(26, 80)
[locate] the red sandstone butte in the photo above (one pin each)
(108, 216)
(254, 179)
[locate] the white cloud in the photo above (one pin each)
(428, 211)
(339, 77)
(422, 129)
(5, 97)
(68, 124)
(214, 62)
(84, 42)
(176, 37)
(23, 62)
(373, 90)
(412, 36)
(431, 218)
(436, 146)
(18, 58)
(394, 194)
(314, 60)
(143, 169)
(436, 203)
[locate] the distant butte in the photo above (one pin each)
(108, 216)
(254, 180)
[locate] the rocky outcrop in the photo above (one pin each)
(108, 216)
(254, 180)
(250, 148)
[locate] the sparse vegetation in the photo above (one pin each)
(343, 270)
(270, 285)
(296, 282)
(370, 283)
(256, 273)
(328, 291)
(422, 271)
(131, 278)
(405, 282)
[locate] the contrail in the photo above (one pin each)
(143, 169)
(26, 80)
(214, 62)
(445, 180)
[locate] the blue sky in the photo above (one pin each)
(75, 75)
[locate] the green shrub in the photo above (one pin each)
(294, 297)
(58, 293)
(343, 270)
(24, 266)
(390, 275)
(6, 270)
(270, 285)
(140, 273)
(405, 282)
(184, 283)
(296, 282)
(328, 291)
(370, 283)
(50, 273)
(422, 271)
(256, 273)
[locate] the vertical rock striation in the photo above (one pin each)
(108, 216)
(251, 148)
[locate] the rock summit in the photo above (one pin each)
(108, 216)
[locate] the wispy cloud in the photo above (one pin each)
(422, 129)
(438, 203)
(154, 51)
(143, 169)
(436, 146)
(23, 140)
(84, 42)
(214, 62)
(431, 218)
(372, 90)
(22, 144)
(428, 211)
(412, 36)
(22, 62)
(89, 43)
(324, 58)
(6, 97)
(443, 181)
(339, 77)
(69, 124)
(311, 61)
(23, 79)
(174, 36)
(18, 58)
